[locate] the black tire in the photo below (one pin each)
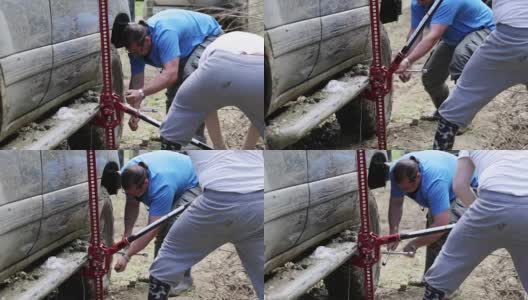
(92, 136)
(346, 283)
(359, 116)
(78, 286)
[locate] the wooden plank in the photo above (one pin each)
(279, 97)
(48, 279)
(301, 117)
(294, 252)
(10, 126)
(58, 129)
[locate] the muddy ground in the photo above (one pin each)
(503, 124)
(495, 278)
(219, 276)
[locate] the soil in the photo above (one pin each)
(494, 278)
(502, 124)
(233, 122)
(219, 276)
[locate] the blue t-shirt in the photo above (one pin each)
(170, 175)
(436, 189)
(175, 33)
(462, 16)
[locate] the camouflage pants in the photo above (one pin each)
(455, 213)
(187, 197)
(445, 135)
(446, 60)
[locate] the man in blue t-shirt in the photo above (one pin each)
(458, 28)
(172, 40)
(426, 177)
(162, 180)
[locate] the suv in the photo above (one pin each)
(307, 44)
(311, 200)
(49, 55)
(43, 208)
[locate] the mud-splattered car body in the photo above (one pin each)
(310, 196)
(50, 53)
(308, 43)
(44, 204)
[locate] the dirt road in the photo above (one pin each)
(219, 276)
(503, 124)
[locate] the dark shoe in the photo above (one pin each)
(445, 135)
(168, 145)
(158, 290)
(431, 293)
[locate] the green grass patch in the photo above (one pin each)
(140, 5)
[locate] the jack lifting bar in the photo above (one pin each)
(369, 243)
(381, 76)
(111, 108)
(99, 255)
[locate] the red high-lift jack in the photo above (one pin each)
(100, 255)
(111, 107)
(369, 243)
(381, 76)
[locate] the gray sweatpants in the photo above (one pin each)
(224, 79)
(501, 62)
(448, 60)
(494, 221)
(213, 219)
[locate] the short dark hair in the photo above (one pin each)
(134, 175)
(111, 179)
(135, 33)
(406, 168)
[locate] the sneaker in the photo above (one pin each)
(184, 285)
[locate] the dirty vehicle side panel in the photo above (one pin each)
(302, 212)
(306, 39)
(43, 203)
(309, 197)
(49, 53)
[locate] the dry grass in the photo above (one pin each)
(239, 15)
